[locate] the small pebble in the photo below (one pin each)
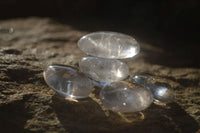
(125, 97)
(67, 81)
(161, 91)
(109, 45)
(104, 70)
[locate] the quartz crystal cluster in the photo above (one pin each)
(102, 67)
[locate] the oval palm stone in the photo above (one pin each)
(109, 45)
(104, 70)
(67, 81)
(162, 92)
(125, 97)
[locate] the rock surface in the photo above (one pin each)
(27, 104)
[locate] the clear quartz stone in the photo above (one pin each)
(125, 97)
(67, 81)
(162, 92)
(99, 84)
(104, 70)
(109, 45)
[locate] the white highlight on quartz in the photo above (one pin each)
(104, 70)
(109, 45)
(125, 97)
(67, 81)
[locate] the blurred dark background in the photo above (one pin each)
(182, 16)
(170, 24)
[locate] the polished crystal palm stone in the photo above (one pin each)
(104, 70)
(162, 92)
(99, 84)
(125, 97)
(67, 81)
(109, 45)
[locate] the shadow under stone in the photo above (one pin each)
(167, 119)
(13, 117)
(88, 116)
(83, 116)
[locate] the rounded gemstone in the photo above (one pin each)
(109, 45)
(125, 97)
(162, 92)
(67, 81)
(99, 84)
(104, 70)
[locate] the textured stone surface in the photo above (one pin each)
(109, 45)
(27, 104)
(125, 97)
(104, 70)
(67, 81)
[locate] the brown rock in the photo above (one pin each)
(27, 104)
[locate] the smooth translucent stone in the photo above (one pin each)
(109, 45)
(125, 97)
(67, 81)
(99, 84)
(162, 92)
(104, 70)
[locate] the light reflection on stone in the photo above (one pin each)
(162, 91)
(104, 70)
(125, 97)
(109, 45)
(67, 81)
